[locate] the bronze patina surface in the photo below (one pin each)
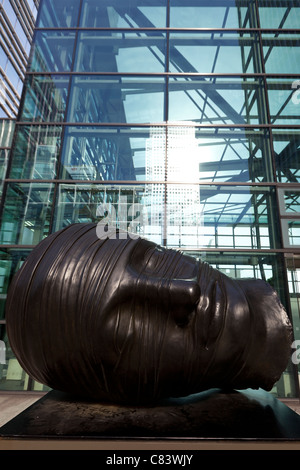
(123, 320)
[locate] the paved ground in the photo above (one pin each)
(13, 403)
(293, 404)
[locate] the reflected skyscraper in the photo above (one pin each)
(175, 212)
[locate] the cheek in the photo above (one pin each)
(142, 335)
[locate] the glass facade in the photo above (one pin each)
(175, 119)
(16, 31)
(17, 21)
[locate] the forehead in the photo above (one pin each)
(153, 259)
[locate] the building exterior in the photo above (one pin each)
(176, 119)
(17, 21)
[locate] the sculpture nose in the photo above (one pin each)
(184, 296)
(178, 297)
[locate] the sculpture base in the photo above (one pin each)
(248, 414)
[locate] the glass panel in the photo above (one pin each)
(281, 52)
(124, 14)
(27, 212)
(225, 154)
(52, 51)
(35, 152)
(214, 52)
(284, 100)
(293, 273)
(12, 376)
(212, 14)
(113, 99)
(266, 266)
(58, 14)
(279, 14)
(44, 98)
(102, 153)
(287, 151)
(223, 216)
(4, 154)
(179, 215)
(216, 100)
(7, 128)
(291, 232)
(112, 51)
(135, 208)
(289, 201)
(10, 261)
(139, 154)
(235, 265)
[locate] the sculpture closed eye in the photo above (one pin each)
(125, 321)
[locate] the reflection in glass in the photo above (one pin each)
(292, 201)
(289, 201)
(4, 154)
(230, 217)
(35, 152)
(283, 96)
(234, 155)
(237, 265)
(125, 207)
(111, 99)
(52, 51)
(44, 98)
(293, 273)
(279, 14)
(124, 14)
(12, 376)
(97, 153)
(281, 52)
(7, 127)
(58, 14)
(212, 14)
(10, 262)
(139, 154)
(26, 216)
(291, 232)
(286, 153)
(180, 215)
(216, 100)
(113, 51)
(214, 52)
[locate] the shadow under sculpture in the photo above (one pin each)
(126, 321)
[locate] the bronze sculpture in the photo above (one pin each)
(126, 321)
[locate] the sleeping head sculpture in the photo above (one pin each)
(124, 320)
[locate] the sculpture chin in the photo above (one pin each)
(103, 319)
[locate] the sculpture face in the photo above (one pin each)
(125, 320)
